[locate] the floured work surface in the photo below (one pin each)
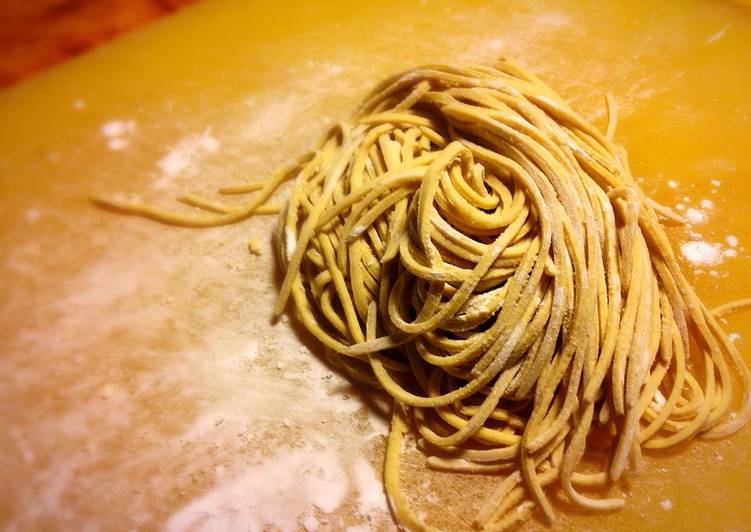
(143, 383)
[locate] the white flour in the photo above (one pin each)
(276, 493)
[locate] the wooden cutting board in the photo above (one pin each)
(142, 383)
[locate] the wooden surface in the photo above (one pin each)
(38, 34)
(142, 383)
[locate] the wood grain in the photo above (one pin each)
(37, 35)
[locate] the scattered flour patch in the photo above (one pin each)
(695, 215)
(117, 144)
(673, 184)
(732, 241)
(239, 358)
(702, 253)
(183, 157)
(113, 128)
(734, 337)
(117, 133)
(272, 117)
(716, 183)
(310, 523)
(369, 488)
(706, 204)
(666, 504)
(271, 495)
(209, 143)
(209, 422)
(719, 34)
(118, 128)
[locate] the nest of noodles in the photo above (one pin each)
(475, 248)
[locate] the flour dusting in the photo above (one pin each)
(702, 253)
(369, 487)
(719, 34)
(118, 128)
(183, 158)
(695, 216)
(274, 494)
(117, 133)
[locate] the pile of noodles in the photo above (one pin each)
(476, 249)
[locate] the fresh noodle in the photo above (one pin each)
(483, 253)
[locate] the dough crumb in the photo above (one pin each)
(254, 246)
